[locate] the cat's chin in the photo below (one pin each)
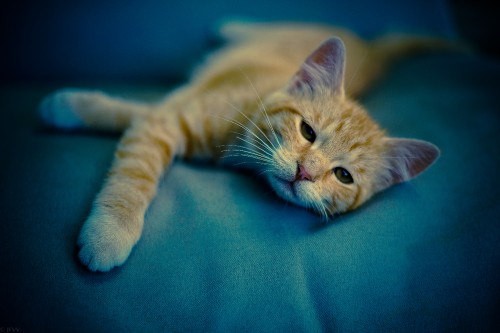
(286, 190)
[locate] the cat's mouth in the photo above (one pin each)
(287, 189)
(287, 185)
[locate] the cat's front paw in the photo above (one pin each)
(59, 109)
(105, 242)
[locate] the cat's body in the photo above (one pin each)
(269, 101)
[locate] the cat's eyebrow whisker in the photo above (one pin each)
(251, 121)
(271, 126)
(263, 107)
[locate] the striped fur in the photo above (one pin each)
(245, 106)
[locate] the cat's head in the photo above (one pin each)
(327, 153)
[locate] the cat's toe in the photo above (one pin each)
(104, 243)
(59, 109)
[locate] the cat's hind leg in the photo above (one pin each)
(75, 109)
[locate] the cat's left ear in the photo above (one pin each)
(406, 159)
(324, 68)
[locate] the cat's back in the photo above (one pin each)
(269, 54)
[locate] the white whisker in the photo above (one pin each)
(248, 162)
(237, 123)
(263, 108)
(266, 152)
(320, 208)
(248, 149)
(251, 121)
(240, 152)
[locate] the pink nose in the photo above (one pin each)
(302, 174)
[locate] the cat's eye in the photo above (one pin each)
(343, 175)
(307, 132)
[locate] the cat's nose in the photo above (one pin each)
(302, 174)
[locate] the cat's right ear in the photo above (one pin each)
(324, 68)
(405, 159)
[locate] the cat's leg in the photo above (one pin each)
(117, 217)
(75, 108)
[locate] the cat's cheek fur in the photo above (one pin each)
(104, 243)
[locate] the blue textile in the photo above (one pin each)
(155, 39)
(220, 252)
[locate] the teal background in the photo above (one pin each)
(154, 39)
(220, 252)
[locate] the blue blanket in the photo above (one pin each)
(221, 253)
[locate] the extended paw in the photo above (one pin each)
(104, 242)
(59, 109)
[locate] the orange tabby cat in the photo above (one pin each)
(277, 98)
